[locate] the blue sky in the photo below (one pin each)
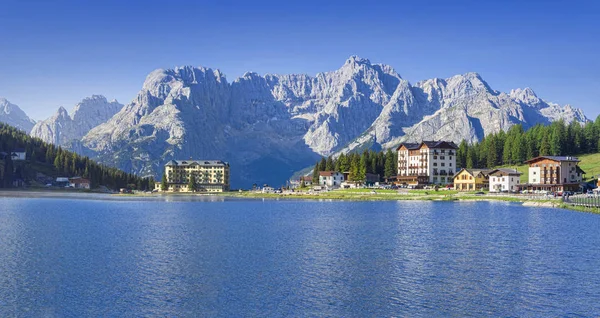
(54, 53)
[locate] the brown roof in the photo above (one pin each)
(327, 173)
(79, 181)
(553, 158)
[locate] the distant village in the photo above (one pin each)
(432, 164)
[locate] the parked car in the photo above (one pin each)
(479, 193)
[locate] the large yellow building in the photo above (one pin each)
(210, 175)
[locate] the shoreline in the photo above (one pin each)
(329, 196)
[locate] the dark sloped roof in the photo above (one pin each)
(475, 172)
(505, 171)
(429, 144)
(555, 158)
(409, 146)
(196, 162)
(440, 144)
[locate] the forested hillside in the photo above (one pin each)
(48, 161)
(515, 146)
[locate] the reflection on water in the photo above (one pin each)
(221, 257)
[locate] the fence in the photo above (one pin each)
(587, 201)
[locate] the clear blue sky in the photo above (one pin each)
(55, 53)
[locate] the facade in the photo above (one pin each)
(79, 183)
(307, 180)
(504, 180)
(553, 173)
(428, 162)
(331, 179)
(471, 179)
(210, 175)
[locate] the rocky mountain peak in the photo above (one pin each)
(64, 129)
(268, 126)
(355, 59)
(14, 116)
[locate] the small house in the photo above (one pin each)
(331, 179)
(62, 182)
(18, 154)
(79, 183)
(504, 180)
(471, 179)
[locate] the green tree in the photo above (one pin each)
(329, 164)
(461, 154)
(354, 168)
(192, 186)
(390, 165)
(344, 165)
(471, 158)
(545, 146)
(362, 169)
(315, 176)
(492, 159)
(164, 186)
(322, 164)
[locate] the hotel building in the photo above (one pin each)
(554, 173)
(210, 175)
(428, 162)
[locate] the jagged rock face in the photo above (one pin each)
(61, 129)
(270, 126)
(13, 115)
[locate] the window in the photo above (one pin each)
(451, 164)
(443, 164)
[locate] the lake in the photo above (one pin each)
(191, 257)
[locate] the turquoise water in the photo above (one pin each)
(236, 258)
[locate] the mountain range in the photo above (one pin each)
(270, 126)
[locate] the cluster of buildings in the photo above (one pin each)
(434, 163)
(75, 182)
(209, 176)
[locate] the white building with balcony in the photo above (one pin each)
(428, 162)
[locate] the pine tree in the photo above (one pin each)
(545, 146)
(390, 166)
(362, 168)
(461, 154)
(329, 164)
(354, 168)
(492, 160)
(315, 176)
(323, 164)
(471, 158)
(192, 186)
(556, 143)
(373, 162)
(164, 186)
(338, 162)
(506, 152)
